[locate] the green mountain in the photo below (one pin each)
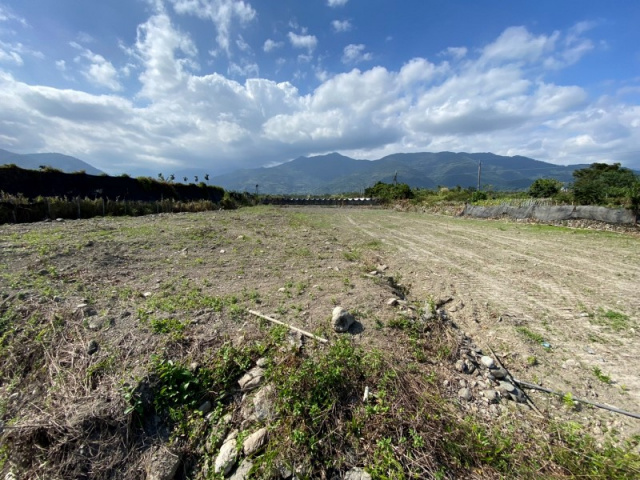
(335, 173)
(33, 161)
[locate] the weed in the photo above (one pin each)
(352, 255)
(529, 335)
(616, 321)
(600, 375)
(532, 361)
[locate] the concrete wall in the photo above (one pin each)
(554, 213)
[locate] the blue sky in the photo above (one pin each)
(148, 86)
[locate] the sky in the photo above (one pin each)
(148, 86)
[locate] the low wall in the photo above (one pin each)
(320, 201)
(554, 213)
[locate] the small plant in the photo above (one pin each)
(529, 335)
(568, 401)
(532, 361)
(600, 375)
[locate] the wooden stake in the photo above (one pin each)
(290, 327)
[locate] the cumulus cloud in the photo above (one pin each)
(96, 69)
(303, 41)
(341, 25)
(270, 45)
(497, 99)
(166, 53)
(221, 12)
(355, 54)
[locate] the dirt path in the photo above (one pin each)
(519, 283)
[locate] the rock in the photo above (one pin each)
(499, 373)
(492, 396)
(507, 387)
(95, 323)
(163, 465)
(341, 320)
(262, 362)
(443, 301)
(487, 361)
(465, 394)
(242, 472)
(255, 441)
(205, 407)
(381, 268)
(357, 474)
(460, 366)
(92, 347)
(263, 403)
(392, 302)
(252, 378)
(88, 311)
(227, 455)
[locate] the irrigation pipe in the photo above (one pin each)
(588, 402)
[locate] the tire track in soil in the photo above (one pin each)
(543, 279)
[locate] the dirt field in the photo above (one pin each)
(576, 289)
(559, 306)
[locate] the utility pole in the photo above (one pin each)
(395, 178)
(479, 174)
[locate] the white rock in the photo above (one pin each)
(252, 378)
(357, 474)
(242, 472)
(341, 319)
(163, 465)
(255, 441)
(227, 456)
(487, 361)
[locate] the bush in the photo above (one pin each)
(545, 188)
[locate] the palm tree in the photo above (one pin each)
(161, 177)
(206, 177)
(196, 178)
(185, 179)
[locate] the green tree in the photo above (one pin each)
(389, 192)
(603, 183)
(545, 188)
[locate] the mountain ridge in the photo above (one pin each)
(336, 173)
(33, 161)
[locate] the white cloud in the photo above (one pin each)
(341, 25)
(99, 71)
(270, 45)
(246, 69)
(61, 65)
(355, 54)
(221, 12)
(303, 41)
(166, 54)
(455, 52)
(336, 3)
(7, 15)
(495, 100)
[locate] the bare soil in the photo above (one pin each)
(513, 286)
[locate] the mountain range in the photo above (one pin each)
(335, 173)
(33, 161)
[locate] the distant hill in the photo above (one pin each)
(335, 173)
(33, 161)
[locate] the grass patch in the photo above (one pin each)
(529, 335)
(616, 321)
